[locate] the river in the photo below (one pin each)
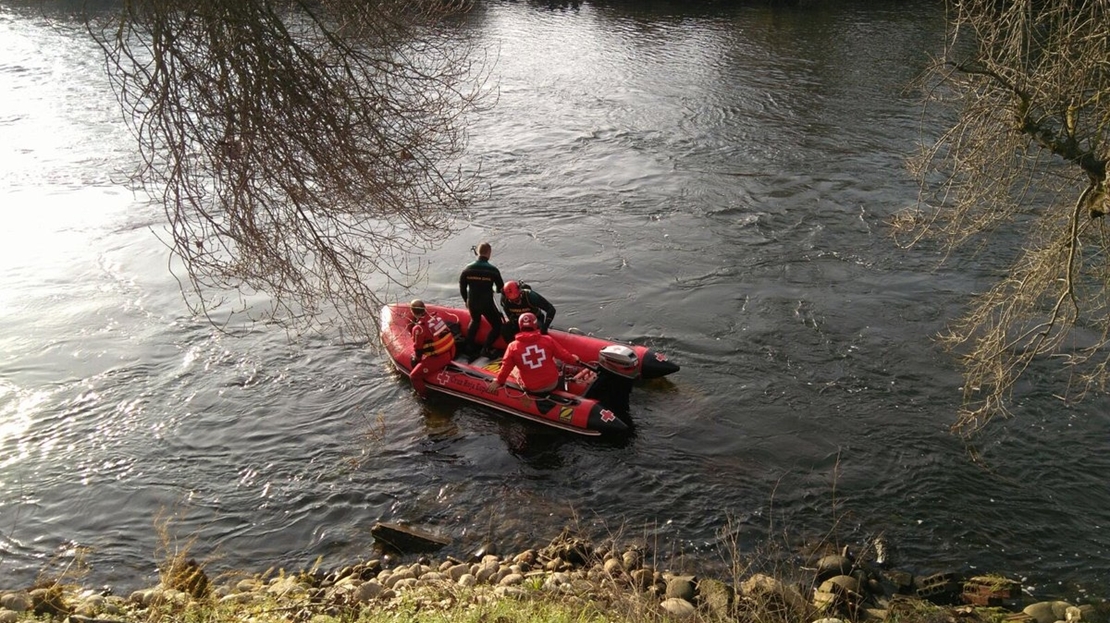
(716, 181)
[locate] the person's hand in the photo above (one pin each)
(493, 386)
(577, 359)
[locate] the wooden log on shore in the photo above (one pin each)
(406, 539)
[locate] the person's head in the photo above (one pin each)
(527, 321)
(418, 308)
(485, 250)
(512, 291)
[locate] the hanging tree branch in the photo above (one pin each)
(302, 150)
(1026, 156)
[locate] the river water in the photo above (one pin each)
(714, 181)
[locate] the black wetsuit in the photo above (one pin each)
(530, 301)
(477, 283)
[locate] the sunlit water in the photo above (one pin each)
(715, 182)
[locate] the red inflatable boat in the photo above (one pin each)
(593, 401)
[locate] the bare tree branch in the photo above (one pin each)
(1026, 155)
(305, 151)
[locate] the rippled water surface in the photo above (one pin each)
(713, 181)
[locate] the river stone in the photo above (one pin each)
(114, 605)
(1047, 611)
(642, 579)
(237, 598)
(632, 559)
(513, 579)
(716, 598)
(613, 567)
(8, 616)
(286, 587)
(527, 557)
(16, 602)
(514, 592)
(776, 596)
(390, 580)
(678, 608)
(456, 572)
(432, 577)
(682, 587)
(842, 584)
(84, 611)
(485, 573)
(825, 600)
(49, 601)
(832, 565)
(175, 598)
(369, 590)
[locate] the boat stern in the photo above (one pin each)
(606, 421)
(656, 364)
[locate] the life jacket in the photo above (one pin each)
(441, 339)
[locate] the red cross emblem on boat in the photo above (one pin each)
(443, 377)
(607, 415)
(534, 356)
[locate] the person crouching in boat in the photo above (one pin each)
(433, 344)
(517, 299)
(533, 355)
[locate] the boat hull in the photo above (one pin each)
(571, 410)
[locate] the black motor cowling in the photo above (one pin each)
(612, 390)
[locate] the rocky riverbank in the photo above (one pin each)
(571, 570)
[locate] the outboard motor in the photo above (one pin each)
(620, 360)
(618, 367)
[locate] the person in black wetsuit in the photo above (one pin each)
(518, 299)
(477, 283)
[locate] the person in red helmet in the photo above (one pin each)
(533, 355)
(433, 345)
(517, 299)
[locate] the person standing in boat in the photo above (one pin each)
(433, 344)
(477, 283)
(532, 354)
(518, 299)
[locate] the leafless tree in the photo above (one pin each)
(1026, 155)
(304, 151)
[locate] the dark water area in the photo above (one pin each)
(714, 180)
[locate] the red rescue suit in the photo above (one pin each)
(532, 354)
(433, 346)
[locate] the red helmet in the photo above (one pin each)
(527, 321)
(512, 290)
